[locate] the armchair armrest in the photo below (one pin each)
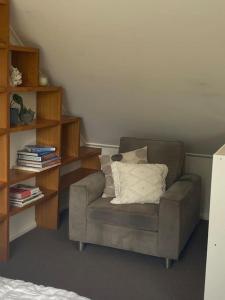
(81, 195)
(179, 213)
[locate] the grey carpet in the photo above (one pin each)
(100, 273)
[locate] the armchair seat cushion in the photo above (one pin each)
(135, 216)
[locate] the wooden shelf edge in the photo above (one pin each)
(36, 124)
(74, 176)
(85, 152)
(2, 131)
(16, 176)
(23, 49)
(48, 194)
(2, 185)
(30, 89)
(69, 119)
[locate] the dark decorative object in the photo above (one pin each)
(117, 157)
(19, 113)
(14, 117)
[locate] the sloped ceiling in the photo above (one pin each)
(153, 68)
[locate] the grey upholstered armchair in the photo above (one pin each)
(160, 230)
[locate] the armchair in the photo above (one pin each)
(160, 230)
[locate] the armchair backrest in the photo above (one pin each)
(170, 153)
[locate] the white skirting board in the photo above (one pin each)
(195, 163)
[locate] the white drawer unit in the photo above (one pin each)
(215, 266)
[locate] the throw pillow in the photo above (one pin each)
(138, 156)
(138, 183)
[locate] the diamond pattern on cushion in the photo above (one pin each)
(136, 183)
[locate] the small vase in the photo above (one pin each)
(43, 80)
(14, 117)
(27, 118)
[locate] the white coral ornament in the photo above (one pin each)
(15, 76)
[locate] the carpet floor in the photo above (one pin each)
(100, 273)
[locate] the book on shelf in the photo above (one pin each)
(35, 164)
(21, 191)
(32, 154)
(21, 195)
(39, 158)
(23, 200)
(40, 148)
(21, 188)
(32, 169)
(26, 202)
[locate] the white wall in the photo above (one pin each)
(150, 68)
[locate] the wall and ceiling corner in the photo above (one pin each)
(154, 69)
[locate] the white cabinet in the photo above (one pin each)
(215, 266)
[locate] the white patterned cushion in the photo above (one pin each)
(138, 183)
(138, 156)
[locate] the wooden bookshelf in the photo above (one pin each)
(2, 185)
(52, 128)
(2, 218)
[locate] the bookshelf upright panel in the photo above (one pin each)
(4, 23)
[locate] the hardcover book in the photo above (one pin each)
(39, 148)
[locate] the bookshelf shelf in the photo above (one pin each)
(68, 159)
(16, 48)
(87, 152)
(36, 124)
(48, 194)
(33, 89)
(84, 153)
(69, 119)
(74, 176)
(16, 176)
(51, 128)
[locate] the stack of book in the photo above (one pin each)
(21, 195)
(37, 158)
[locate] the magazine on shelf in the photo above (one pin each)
(37, 164)
(32, 154)
(40, 158)
(26, 187)
(23, 200)
(35, 170)
(41, 166)
(22, 204)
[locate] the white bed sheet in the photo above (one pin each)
(20, 290)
